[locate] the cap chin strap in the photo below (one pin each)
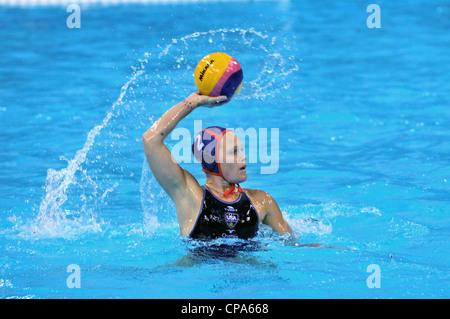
(231, 190)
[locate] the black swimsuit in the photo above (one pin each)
(217, 218)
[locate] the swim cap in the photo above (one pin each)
(205, 148)
(206, 151)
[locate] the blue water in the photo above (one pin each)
(364, 126)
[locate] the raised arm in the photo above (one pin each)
(171, 177)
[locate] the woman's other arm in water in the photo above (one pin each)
(166, 170)
(274, 217)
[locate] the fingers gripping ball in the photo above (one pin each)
(218, 74)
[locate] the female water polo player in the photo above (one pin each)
(220, 208)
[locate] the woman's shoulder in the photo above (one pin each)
(257, 195)
(256, 192)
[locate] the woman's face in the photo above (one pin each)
(232, 158)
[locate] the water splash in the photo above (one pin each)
(51, 218)
(267, 71)
(77, 196)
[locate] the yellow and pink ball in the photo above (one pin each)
(218, 74)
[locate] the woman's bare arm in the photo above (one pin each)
(274, 217)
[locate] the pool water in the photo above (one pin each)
(364, 131)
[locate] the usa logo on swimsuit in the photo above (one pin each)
(231, 218)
